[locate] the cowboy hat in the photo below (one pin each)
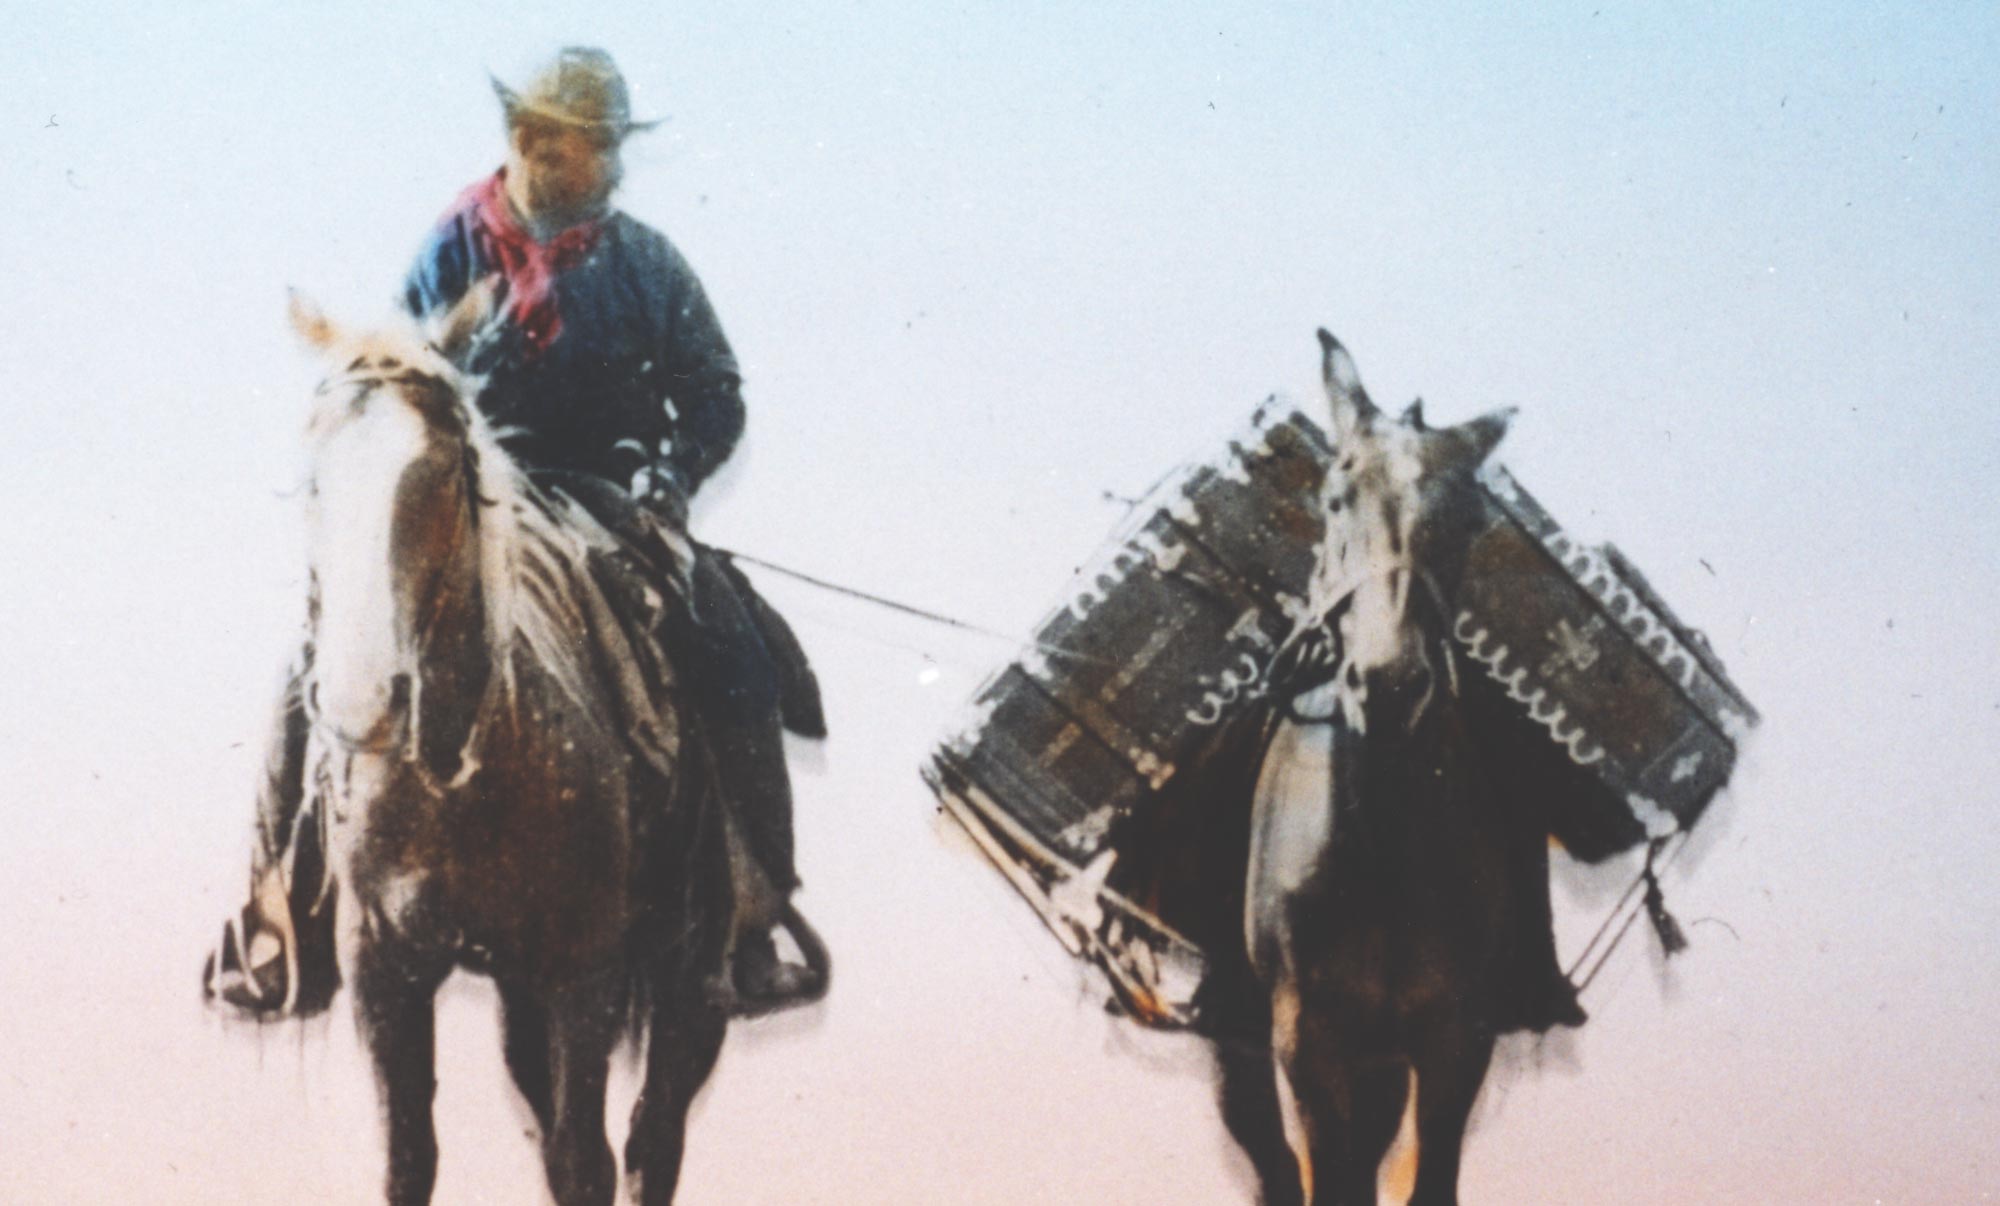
(580, 86)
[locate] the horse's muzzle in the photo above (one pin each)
(383, 733)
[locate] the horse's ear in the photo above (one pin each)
(309, 321)
(1467, 445)
(1413, 414)
(454, 332)
(1351, 404)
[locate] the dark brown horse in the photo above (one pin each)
(486, 803)
(1388, 872)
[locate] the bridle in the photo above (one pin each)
(1331, 662)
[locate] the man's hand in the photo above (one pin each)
(660, 490)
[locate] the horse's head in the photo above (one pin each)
(1400, 505)
(392, 509)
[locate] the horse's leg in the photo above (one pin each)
(1451, 1062)
(394, 1004)
(1309, 1077)
(1346, 1109)
(1247, 1089)
(1316, 1125)
(1381, 1088)
(1251, 1111)
(583, 1026)
(683, 1042)
(524, 1024)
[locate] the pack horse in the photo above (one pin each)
(1380, 879)
(1285, 761)
(481, 795)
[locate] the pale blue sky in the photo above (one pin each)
(984, 263)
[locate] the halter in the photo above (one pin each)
(1331, 669)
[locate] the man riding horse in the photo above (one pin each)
(609, 376)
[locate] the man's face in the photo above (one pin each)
(565, 170)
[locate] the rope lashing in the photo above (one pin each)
(1672, 939)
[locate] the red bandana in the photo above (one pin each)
(528, 267)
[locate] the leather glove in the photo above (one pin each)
(659, 489)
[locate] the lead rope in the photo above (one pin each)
(905, 608)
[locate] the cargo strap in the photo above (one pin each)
(1672, 940)
(1645, 887)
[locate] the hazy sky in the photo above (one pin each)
(985, 264)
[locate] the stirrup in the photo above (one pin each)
(254, 978)
(765, 984)
(266, 966)
(255, 965)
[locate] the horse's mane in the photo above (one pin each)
(533, 564)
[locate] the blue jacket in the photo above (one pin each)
(639, 358)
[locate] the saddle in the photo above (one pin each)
(657, 553)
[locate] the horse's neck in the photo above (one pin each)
(455, 662)
(455, 648)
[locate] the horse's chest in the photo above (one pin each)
(376, 836)
(1292, 817)
(521, 864)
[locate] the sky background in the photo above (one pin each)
(986, 265)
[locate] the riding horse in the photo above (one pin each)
(498, 792)
(1387, 870)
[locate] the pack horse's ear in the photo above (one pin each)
(1467, 445)
(461, 329)
(1351, 404)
